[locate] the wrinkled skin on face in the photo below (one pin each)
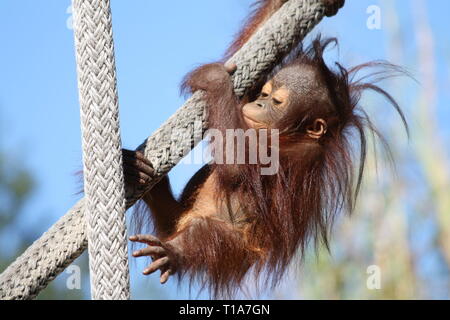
(290, 87)
(268, 108)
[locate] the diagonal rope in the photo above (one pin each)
(66, 240)
(102, 156)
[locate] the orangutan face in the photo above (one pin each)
(290, 87)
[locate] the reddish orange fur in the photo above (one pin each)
(285, 212)
(297, 206)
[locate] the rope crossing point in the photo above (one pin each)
(67, 239)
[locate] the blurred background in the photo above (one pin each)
(400, 232)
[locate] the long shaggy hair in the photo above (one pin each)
(317, 179)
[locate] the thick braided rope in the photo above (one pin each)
(102, 151)
(66, 240)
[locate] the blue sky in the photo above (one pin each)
(156, 45)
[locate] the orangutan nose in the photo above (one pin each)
(260, 104)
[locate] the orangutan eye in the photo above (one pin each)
(276, 102)
(264, 95)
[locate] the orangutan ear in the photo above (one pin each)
(318, 129)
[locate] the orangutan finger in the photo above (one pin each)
(133, 160)
(149, 251)
(165, 276)
(230, 68)
(156, 265)
(146, 238)
(134, 174)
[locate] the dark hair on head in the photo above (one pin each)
(345, 91)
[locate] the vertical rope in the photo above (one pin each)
(102, 159)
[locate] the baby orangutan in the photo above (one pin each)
(230, 220)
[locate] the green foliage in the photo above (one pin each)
(16, 187)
